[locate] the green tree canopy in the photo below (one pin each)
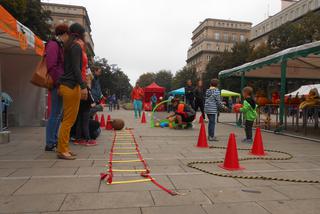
(146, 79)
(182, 76)
(31, 14)
(164, 78)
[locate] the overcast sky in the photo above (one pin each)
(149, 35)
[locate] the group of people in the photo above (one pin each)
(209, 102)
(76, 94)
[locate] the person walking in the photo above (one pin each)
(137, 95)
(199, 94)
(55, 63)
(189, 93)
(211, 107)
(72, 87)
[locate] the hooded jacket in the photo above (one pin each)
(249, 109)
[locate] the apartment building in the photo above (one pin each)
(212, 37)
(291, 11)
(69, 14)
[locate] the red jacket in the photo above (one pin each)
(137, 94)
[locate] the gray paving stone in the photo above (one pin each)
(238, 194)
(27, 203)
(6, 172)
(193, 209)
(25, 164)
(8, 186)
(104, 211)
(235, 208)
(292, 207)
(59, 185)
(85, 201)
(202, 181)
(189, 197)
(299, 191)
(74, 163)
(43, 172)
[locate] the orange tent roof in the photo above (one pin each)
(154, 87)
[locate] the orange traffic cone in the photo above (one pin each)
(231, 161)
(257, 147)
(202, 139)
(102, 121)
(96, 118)
(109, 125)
(201, 119)
(143, 118)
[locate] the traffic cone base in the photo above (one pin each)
(257, 146)
(231, 161)
(102, 121)
(230, 169)
(143, 118)
(202, 139)
(109, 125)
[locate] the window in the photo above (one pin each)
(208, 58)
(226, 37)
(208, 45)
(242, 38)
(217, 36)
(234, 38)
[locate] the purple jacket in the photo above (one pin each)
(54, 59)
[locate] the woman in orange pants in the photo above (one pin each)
(72, 88)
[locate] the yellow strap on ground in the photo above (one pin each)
(125, 153)
(124, 144)
(130, 181)
(124, 148)
(128, 170)
(126, 161)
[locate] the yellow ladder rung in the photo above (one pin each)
(130, 181)
(124, 148)
(125, 153)
(126, 161)
(129, 170)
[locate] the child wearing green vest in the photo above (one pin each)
(249, 111)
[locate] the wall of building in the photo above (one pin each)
(290, 13)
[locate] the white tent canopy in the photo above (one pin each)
(304, 90)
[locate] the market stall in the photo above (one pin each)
(149, 91)
(20, 52)
(301, 62)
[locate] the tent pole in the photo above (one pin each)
(283, 89)
(243, 82)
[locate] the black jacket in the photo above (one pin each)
(199, 93)
(189, 92)
(72, 68)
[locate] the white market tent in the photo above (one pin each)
(304, 90)
(20, 51)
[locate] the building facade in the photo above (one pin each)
(69, 14)
(214, 36)
(291, 12)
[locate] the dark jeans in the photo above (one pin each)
(200, 104)
(248, 129)
(190, 102)
(212, 124)
(54, 119)
(82, 124)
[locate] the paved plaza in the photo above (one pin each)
(34, 181)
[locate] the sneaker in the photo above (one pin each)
(249, 141)
(50, 148)
(91, 143)
(79, 142)
(210, 138)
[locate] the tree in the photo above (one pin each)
(182, 76)
(164, 78)
(116, 82)
(31, 14)
(146, 79)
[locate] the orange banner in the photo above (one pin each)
(39, 46)
(8, 23)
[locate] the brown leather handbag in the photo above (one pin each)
(41, 77)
